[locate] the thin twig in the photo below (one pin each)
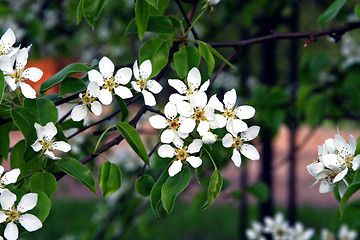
(150, 154)
(188, 22)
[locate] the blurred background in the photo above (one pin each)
(301, 95)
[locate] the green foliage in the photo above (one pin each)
(155, 194)
(144, 184)
(173, 187)
(2, 86)
(153, 3)
(157, 51)
(63, 74)
(68, 124)
(357, 10)
(331, 12)
(42, 208)
(44, 182)
(260, 191)
(74, 168)
(141, 17)
(90, 9)
(43, 108)
(206, 53)
(109, 178)
(215, 185)
(123, 107)
(185, 59)
(315, 110)
(352, 188)
(72, 85)
(218, 55)
(156, 24)
(17, 160)
(5, 129)
(133, 139)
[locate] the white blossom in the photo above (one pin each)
(88, 99)
(255, 233)
(300, 233)
(346, 234)
(351, 52)
(146, 86)
(8, 177)
(13, 215)
(6, 43)
(45, 140)
(109, 83)
(182, 155)
(277, 227)
(327, 235)
(238, 142)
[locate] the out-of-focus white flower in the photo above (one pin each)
(350, 50)
(211, 3)
(346, 234)
(277, 227)
(111, 84)
(8, 178)
(255, 233)
(182, 155)
(170, 122)
(16, 77)
(88, 99)
(238, 142)
(193, 84)
(145, 85)
(300, 233)
(327, 235)
(6, 42)
(45, 140)
(12, 215)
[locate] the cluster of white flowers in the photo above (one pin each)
(344, 234)
(350, 51)
(11, 214)
(336, 158)
(13, 62)
(103, 84)
(189, 113)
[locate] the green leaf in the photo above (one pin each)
(259, 190)
(357, 10)
(91, 10)
(24, 120)
(17, 159)
(79, 13)
(218, 55)
(124, 109)
(315, 111)
(216, 182)
(141, 17)
(173, 187)
(47, 111)
(357, 151)
(133, 139)
(156, 24)
(185, 59)
(109, 178)
(72, 85)
(153, 3)
(44, 182)
(68, 124)
(144, 184)
(331, 12)
(5, 129)
(205, 52)
(157, 51)
(42, 208)
(2, 86)
(63, 74)
(4, 111)
(155, 194)
(74, 168)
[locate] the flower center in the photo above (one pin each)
(229, 114)
(46, 144)
(198, 114)
(110, 84)
(238, 142)
(12, 215)
(86, 99)
(173, 123)
(142, 83)
(181, 154)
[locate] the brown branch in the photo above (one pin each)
(188, 22)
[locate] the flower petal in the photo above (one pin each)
(227, 140)
(50, 131)
(203, 127)
(135, 86)
(330, 160)
(21, 58)
(30, 222)
(251, 133)
(123, 92)
(195, 162)
(198, 99)
(158, 122)
(1, 170)
(136, 71)
(184, 109)
(208, 138)
(10, 81)
(27, 202)
(95, 76)
(236, 157)
(175, 168)
(3, 217)
(93, 89)
(340, 143)
(167, 136)
(342, 188)
(175, 98)
(245, 112)
(195, 146)
(145, 69)
(61, 146)
(7, 200)
(40, 131)
(123, 75)
(194, 78)
(106, 67)
(356, 163)
(105, 96)
(149, 98)
(230, 99)
(33, 74)
(96, 107)
(27, 90)
(352, 145)
(205, 86)
(11, 231)
(166, 151)
(178, 85)
(78, 113)
(187, 125)
(239, 125)
(36, 146)
(326, 186)
(315, 168)
(215, 103)
(340, 175)
(170, 111)
(11, 176)
(153, 86)
(221, 120)
(249, 151)
(8, 38)
(6, 64)
(50, 155)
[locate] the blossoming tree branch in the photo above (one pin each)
(191, 121)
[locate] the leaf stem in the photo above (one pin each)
(102, 135)
(212, 160)
(194, 22)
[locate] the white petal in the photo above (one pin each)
(330, 160)
(106, 67)
(342, 188)
(50, 130)
(8, 37)
(208, 138)
(3, 217)
(315, 168)
(11, 231)
(176, 98)
(195, 162)
(249, 151)
(36, 146)
(11, 82)
(33, 74)
(158, 122)
(30, 222)
(178, 85)
(40, 131)
(95, 76)
(227, 140)
(170, 110)
(123, 92)
(167, 136)
(105, 96)
(239, 125)
(184, 109)
(329, 146)
(145, 69)
(7, 199)
(153, 86)
(135, 86)
(205, 86)
(340, 175)
(149, 98)
(6, 64)
(250, 133)
(1, 170)
(61, 146)
(123, 75)
(194, 78)
(96, 108)
(209, 113)
(93, 89)
(236, 158)
(78, 113)
(340, 143)
(221, 120)
(187, 125)
(215, 103)
(166, 151)
(11, 176)
(326, 186)
(203, 127)
(175, 168)
(178, 142)
(50, 155)
(245, 112)
(27, 90)
(198, 99)
(136, 71)
(352, 145)
(230, 99)
(21, 58)
(195, 146)
(356, 163)
(27, 202)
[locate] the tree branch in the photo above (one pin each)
(182, 10)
